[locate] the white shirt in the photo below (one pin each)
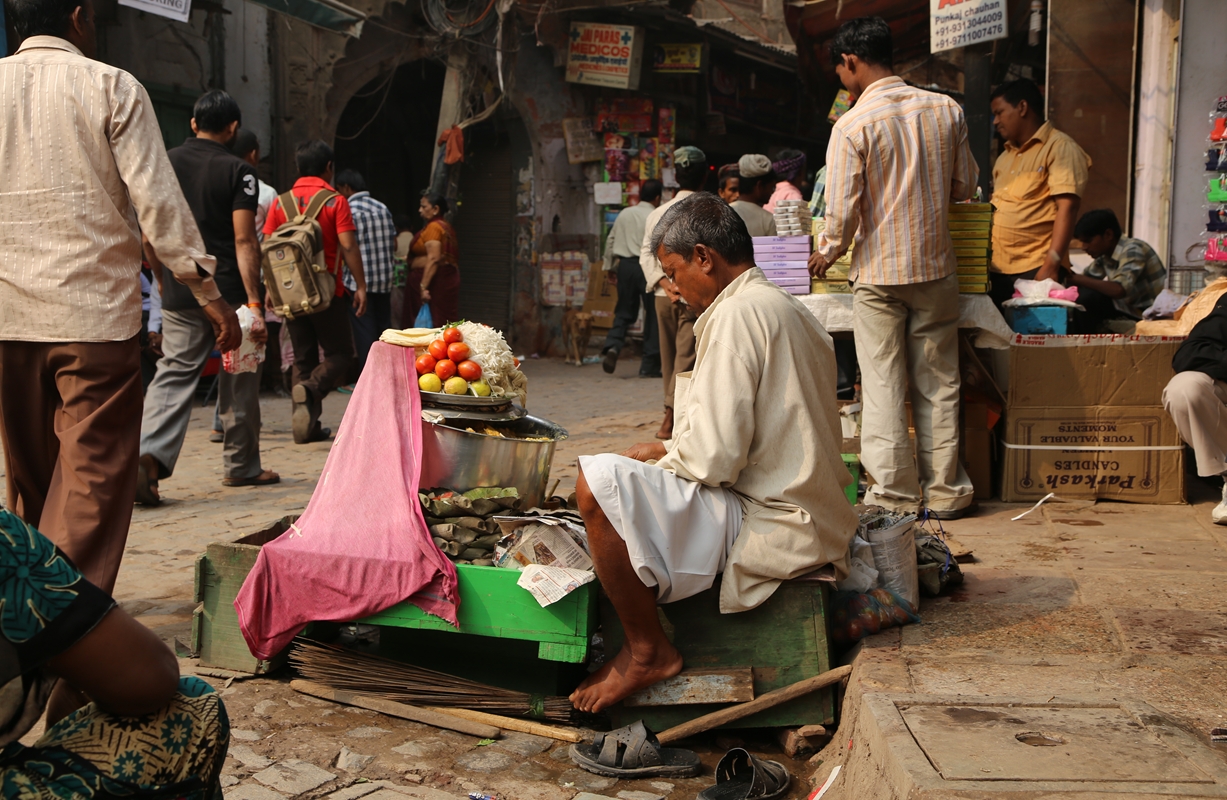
(647, 259)
(759, 221)
(84, 163)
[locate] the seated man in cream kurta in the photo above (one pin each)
(751, 485)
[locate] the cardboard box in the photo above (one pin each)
(791, 266)
(1086, 420)
(601, 298)
(1043, 320)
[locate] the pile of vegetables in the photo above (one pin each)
(467, 358)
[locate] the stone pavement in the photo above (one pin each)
(1103, 600)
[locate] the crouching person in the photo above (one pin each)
(1196, 397)
(120, 720)
(751, 485)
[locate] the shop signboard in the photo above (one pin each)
(178, 10)
(958, 23)
(677, 58)
(605, 55)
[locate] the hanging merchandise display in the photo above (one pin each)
(1216, 190)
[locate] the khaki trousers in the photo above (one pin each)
(675, 321)
(70, 421)
(1198, 404)
(909, 335)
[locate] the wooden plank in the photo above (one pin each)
(769, 700)
(434, 717)
(695, 686)
(513, 724)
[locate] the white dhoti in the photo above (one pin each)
(678, 533)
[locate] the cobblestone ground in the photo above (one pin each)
(1076, 599)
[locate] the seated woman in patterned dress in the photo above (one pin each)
(120, 720)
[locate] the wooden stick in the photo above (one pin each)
(436, 717)
(512, 724)
(742, 710)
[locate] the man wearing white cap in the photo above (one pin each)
(757, 184)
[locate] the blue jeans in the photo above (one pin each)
(369, 326)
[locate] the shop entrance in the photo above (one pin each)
(387, 133)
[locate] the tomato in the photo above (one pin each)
(438, 349)
(469, 370)
(457, 351)
(516, 361)
(425, 363)
(452, 335)
(445, 369)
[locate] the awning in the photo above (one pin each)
(327, 14)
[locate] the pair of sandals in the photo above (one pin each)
(634, 752)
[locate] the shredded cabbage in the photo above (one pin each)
(489, 349)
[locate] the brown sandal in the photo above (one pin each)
(265, 478)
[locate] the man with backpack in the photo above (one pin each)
(223, 192)
(316, 319)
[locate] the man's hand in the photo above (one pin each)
(818, 265)
(259, 333)
(653, 451)
(155, 343)
(360, 301)
(225, 325)
(1051, 268)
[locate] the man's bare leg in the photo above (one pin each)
(646, 656)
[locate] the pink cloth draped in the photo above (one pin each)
(362, 544)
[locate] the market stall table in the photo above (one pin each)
(976, 311)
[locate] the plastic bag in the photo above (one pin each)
(937, 569)
(423, 319)
(250, 355)
(1042, 293)
(894, 551)
(862, 574)
(855, 616)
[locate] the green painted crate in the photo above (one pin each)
(220, 573)
(491, 604)
(784, 640)
(853, 463)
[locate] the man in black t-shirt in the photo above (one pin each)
(223, 193)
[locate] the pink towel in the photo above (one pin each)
(362, 544)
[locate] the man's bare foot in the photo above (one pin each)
(623, 676)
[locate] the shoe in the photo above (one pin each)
(666, 427)
(945, 514)
(306, 415)
(147, 481)
(265, 478)
(643, 374)
(321, 434)
(217, 437)
(1219, 515)
(346, 389)
(610, 362)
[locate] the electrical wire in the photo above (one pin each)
(387, 92)
(745, 24)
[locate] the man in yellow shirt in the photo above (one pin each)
(1038, 183)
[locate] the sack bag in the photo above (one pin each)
(424, 319)
(295, 275)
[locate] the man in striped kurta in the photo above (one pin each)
(895, 162)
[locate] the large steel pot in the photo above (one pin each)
(453, 458)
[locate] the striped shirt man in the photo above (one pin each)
(894, 163)
(376, 241)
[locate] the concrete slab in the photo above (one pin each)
(950, 746)
(294, 777)
(1171, 589)
(1151, 630)
(1046, 589)
(1008, 627)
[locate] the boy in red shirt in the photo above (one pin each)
(329, 330)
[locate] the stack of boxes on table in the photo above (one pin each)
(971, 226)
(836, 279)
(785, 257)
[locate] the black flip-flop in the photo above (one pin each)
(741, 776)
(634, 752)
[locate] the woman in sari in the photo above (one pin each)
(120, 720)
(434, 266)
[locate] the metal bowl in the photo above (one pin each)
(430, 399)
(454, 458)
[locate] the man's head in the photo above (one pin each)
(650, 192)
(789, 165)
(1099, 231)
(862, 52)
(728, 179)
(1018, 110)
(350, 182)
(247, 146)
(703, 246)
(314, 160)
(402, 222)
(216, 116)
(68, 19)
(757, 180)
(690, 168)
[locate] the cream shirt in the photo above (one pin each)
(757, 415)
(84, 163)
(759, 221)
(647, 259)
